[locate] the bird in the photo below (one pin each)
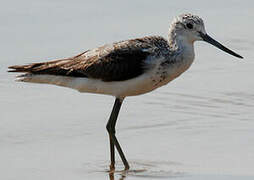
(125, 68)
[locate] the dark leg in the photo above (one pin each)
(112, 137)
(112, 154)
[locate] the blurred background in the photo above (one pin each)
(200, 126)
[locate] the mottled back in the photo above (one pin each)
(116, 62)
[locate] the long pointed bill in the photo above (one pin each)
(210, 40)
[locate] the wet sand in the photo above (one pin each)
(200, 126)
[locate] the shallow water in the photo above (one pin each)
(200, 126)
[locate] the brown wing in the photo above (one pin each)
(120, 61)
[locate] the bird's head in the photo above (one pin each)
(191, 28)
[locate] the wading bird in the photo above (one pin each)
(125, 68)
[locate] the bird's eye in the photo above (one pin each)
(189, 25)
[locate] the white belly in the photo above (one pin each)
(132, 87)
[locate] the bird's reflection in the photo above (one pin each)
(112, 175)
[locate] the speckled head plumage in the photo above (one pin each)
(187, 28)
(188, 18)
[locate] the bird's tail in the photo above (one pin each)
(31, 71)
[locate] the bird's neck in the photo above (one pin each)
(179, 43)
(181, 47)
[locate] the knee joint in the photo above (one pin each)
(110, 129)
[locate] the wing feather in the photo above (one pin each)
(117, 62)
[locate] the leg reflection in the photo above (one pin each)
(112, 175)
